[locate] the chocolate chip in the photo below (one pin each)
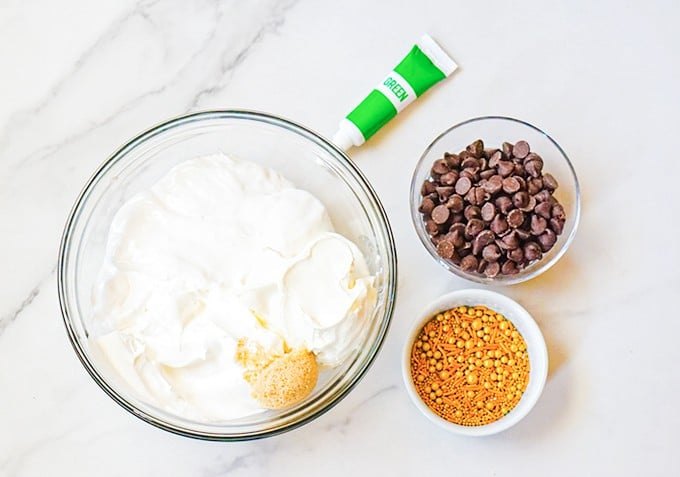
(547, 239)
(522, 182)
(487, 173)
(444, 193)
(543, 209)
(498, 225)
(452, 160)
(440, 214)
(492, 269)
(532, 156)
(455, 258)
(558, 212)
(543, 196)
(488, 211)
(491, 252)
(538, 224)
(471, 173)
(507, 149)
(534, 167)
(530, 205)
(455, 203)
(509, 241)
(522, 234)
(515, 218)
(470, 163)
(482, 266)
(468, 263)
(534, 185)
(520, 199)
(463, 185)
(509, 268)
(445, 249)
(510, 185)
(549, 182)
(473, 227)
(426, 206)
(504, 204)
(532, 251)
(449, 178)
(476, 148)
(516, 255)
(481, 196)
(457, 238)
(440, 167)
(521, 149)
(431, 227)
(457, 226)
(472, 212)
(494, 158)
(557, 225)
(484, 238)
(505, 168)
(427, 188)
(493, 185)
(470, 197)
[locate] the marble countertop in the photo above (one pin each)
(79, 78)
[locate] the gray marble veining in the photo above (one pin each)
(81, 78)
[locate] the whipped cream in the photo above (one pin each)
(220, 250)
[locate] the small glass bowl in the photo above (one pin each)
(304, 157)
(527, 327)
(494, 130)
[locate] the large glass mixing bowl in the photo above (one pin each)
(304, 157)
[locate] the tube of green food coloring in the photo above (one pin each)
(424, 66)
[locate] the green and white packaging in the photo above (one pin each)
(424, 66)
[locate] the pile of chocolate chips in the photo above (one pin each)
(491, 211)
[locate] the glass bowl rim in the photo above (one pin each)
(420, 229)
(187, 119)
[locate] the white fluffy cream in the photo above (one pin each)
(221, 249)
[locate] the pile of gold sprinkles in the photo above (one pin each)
(470, 365)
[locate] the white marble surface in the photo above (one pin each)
(78, 78)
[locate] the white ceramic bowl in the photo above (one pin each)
(527, 327)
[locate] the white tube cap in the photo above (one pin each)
(342, 140)
(348, 135)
